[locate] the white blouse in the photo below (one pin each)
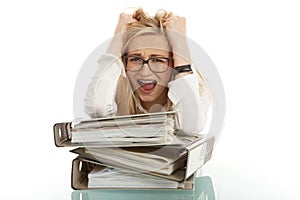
(183, 92)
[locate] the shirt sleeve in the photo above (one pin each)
(100, 95)
(185, 95)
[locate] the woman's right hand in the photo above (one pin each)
(124, 19)
(116, 42)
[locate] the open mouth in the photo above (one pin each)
(148, 85)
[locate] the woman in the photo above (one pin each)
(147, 68)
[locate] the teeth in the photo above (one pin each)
(143, 82)
(146, 82)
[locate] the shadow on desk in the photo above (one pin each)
(203, 191)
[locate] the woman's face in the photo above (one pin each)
(149, 80)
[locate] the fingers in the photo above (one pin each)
(176, 35)
(124, 19)
(176, 23)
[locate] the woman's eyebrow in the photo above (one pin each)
(157, 55)
(135, 54)
(151, 55)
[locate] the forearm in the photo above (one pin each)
(185, 96)
(115, 46)
(100, 95)
(181, 53)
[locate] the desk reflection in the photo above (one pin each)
(203, 191)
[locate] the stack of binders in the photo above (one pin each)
(133, 152)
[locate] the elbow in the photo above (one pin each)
(105, 111)
(195, 125)
(192, 119)
(99, 110)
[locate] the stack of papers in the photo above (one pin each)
(162, 160)
(140, 151)
(112, 178)
(152, 128)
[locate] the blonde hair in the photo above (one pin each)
(127, 101)
(145, 24)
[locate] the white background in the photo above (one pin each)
(255, 46)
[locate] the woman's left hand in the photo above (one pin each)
(176, 34)
(176, 30)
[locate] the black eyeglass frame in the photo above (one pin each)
(125, 60)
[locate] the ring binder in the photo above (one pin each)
(79, 180)
(194, 152)
(200, 151)
(129, 131)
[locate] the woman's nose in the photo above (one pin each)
(146, 70)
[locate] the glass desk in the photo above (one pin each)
(203, 191)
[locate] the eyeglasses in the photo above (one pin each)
(156, 64)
